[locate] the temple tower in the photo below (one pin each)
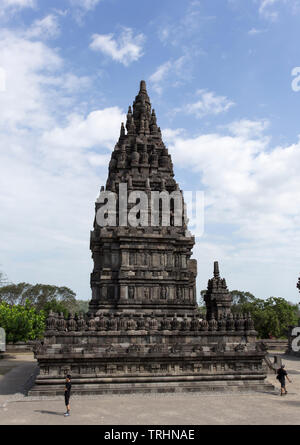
(147, 268)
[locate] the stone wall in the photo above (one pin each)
(165, 355)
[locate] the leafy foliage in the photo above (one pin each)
(81, 306)
(21, 323)
(55, 306)
(25, 307)
(239, 298)
(271, 317)
(38, 295)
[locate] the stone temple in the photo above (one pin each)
(144, 331)
(145, 270)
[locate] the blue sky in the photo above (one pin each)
(219, 74)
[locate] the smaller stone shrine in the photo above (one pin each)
(217, 297)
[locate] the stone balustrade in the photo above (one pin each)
(135, 322)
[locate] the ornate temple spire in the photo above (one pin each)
(122, 132)
(217, 298)
(143, 94)
(140, 150)
(216, 270)
(143, 88)
(142, 105)
(153, 123)
(129, 120)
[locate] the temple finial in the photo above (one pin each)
(141, 105)
(129, 121)
(216, 269)
(143, 87)
(122, 131)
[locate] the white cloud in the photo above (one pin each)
(248, 129)
(28, 65)
(252, 202)
(12, 6)
(18, 3)
(85, 4)
(208, 103)
(171, 135)
(159, 76)
(99, 128)
(50, 170)
(125, 49)
(185, 32)
(248, 185)
(255, 31)
(161, 72)
(44, 28)
(270, 9)
(169, 72)
(266, 9)
(79, 9)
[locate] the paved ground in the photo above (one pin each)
(175, 409)
(15, 372)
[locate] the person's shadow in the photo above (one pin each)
(48, 412)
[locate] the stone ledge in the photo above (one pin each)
(157, 387)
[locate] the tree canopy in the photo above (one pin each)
(3, 279)
(24, 307)
(37, 295)
(272, 317)
(21, 323)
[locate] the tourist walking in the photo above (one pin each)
(281, 376)
(68, 394)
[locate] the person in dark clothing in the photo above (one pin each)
(281, 375)
(68, 394)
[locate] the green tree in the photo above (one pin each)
(272, 316)
(202, 311)
(240, 297)
(81, 306)
(21, 322)
(3, 279)
(55, 306)
(14, 293)
(38, 295)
